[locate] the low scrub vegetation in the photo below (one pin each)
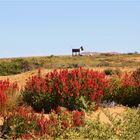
(15, 66)
(11, 66)
(67, 96)
(62, 124)
(26, 124)
(112, 71)
(119, 128)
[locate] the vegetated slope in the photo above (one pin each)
(19, 69)
(21, 78)
(10, 66)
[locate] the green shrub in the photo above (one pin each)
(108, 71)
(15, 66)
(138, 71)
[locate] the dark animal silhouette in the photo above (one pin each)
(77, 51)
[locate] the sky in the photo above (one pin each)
(54, 27)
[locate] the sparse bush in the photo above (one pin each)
(75, 65)
(108, 71)
(107, 54)
(130, 53)
(137, 71)
(112, 71)
(103, 64)
(21, 64)
(117, 72)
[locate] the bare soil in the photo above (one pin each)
(102, 114)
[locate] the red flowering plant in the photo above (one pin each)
(125, 89)
(7, 94)
(130, 89)
(78, 117)
(24, 123)
(67, 88)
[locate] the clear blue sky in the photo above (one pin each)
(35, 27)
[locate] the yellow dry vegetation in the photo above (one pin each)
(21, 78)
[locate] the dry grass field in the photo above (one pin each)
(21, 78)
(121, 62)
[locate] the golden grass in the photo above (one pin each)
(122, 62)
(21, 78)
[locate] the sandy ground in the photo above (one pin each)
(21, 78)
(1, 120)
(102, 114)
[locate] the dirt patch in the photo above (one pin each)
(1, 121)
(102, 114)
(21, 78)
